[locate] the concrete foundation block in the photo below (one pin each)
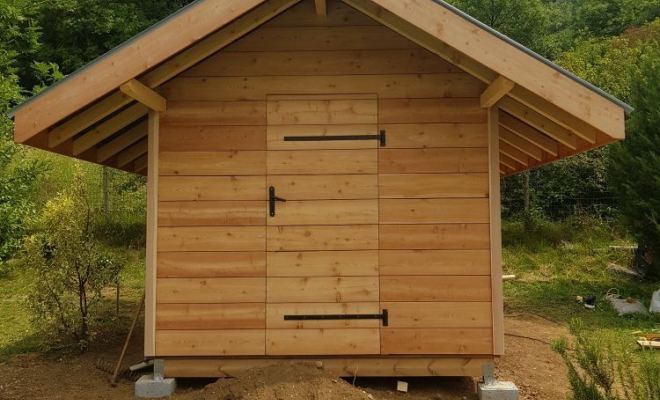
(148, 387)
(497, 391)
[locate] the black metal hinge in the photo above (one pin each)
(384, 317)
(380, 137)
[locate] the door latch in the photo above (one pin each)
(272, 199)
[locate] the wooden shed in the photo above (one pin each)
(323, 177)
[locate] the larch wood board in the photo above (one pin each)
(322, 341)
(232, 342)
(419, 136)
(434, 262)
(434, 237)
(212, 213)
(213, 163)
(423, 186)
(211, 238)
(322, 162)
(210, 316)
(190, 264)
(437, 341)
(211, 290)
(325, 187)
(276, 312)
(212, 138)
(323, 263)
(212, 188)
(326, 212)
(322, 289)
(432, 161)
(326, 237)
(202, 113)
(433, 211)
(277, 133)
(442, 110)
(439, 315)
(435, 288)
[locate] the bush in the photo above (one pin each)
(68, 266)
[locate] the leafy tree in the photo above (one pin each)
(635, 162)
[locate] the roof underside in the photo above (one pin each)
(546, 113)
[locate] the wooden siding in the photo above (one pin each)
(403, 227)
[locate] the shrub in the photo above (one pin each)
(68, 266)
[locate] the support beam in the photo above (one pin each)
(521, 144)
(152, 236)
(514, 153)
(530, 134)
(321, 8)
(495, 204)
(170, 69)
(498, 89)
(132, 153)
(541, 123)
(143, 94)
(126, 139)
(109, 128)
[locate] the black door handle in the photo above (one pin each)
(272, 199)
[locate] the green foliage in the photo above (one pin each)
(68, 266)
(635, 163)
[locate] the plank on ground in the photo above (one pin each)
(326, 212)
(323, 263)
(206, 264)
(435, 237)
(439, 315)
(213, 163)
(210, 188)
(433, 211)
(434, 262)
(419, 161)
(211, 238)
(315, 162)
(325, 187)
(250, 113)
(210, 316)
(211, 290)
(276, 312)
(322, 290)
(328, 237)
(211, 138)
(277, 133)
(232, 342)
(212, 213)
(280, 342)
(422, 186)
(437, 341)
(416, 136)
(435, 288)
(414, 111)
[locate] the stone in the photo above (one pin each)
(148, 387)
(497, 391)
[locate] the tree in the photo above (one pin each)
(635, 163)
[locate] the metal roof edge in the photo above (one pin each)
(628, 108)
(110, 53)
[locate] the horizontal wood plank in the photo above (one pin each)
(308, 112)
(307, 342)
(435, 288)
(326, 212)
(210, 188)
(211, 138)
(325, 187)
(423, 186)
(213, 163)
(276, 312)
(437, 341)
(212, 213)
(210, 290)
(435, 237)
(198, 113)
(231, 342)
(277, 133)
(417, 136)
(211, 238)
(323, 263)
(210, 316)
(322, 290)
(328, 237)
(434, 262)
(442, 110)
(318, 162)
(433, 211)
(439, 315)
(212, 264)
(419, 161)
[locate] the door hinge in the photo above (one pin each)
(384, 317)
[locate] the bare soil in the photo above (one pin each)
(529, 362)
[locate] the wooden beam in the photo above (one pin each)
(506, 59)
(498, 89)
(152, 236)
(514, 153)
(321, 8)
(143, 94)
(509, 162)
(142, 163)
(126, 139)
(541, 123)
(109, 128)
(494, 171)
(169, 69)
(132, 153)
(530, 134)
(521, 144)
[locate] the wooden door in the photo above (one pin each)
(322, 243)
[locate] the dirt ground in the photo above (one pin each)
(529, 362)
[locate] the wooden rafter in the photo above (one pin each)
(109, 128)
(142, 163)
(514, 153)
(541, 123)
(521, 144)
(495, 91)
(509, 162)
(530, 134)
(143, 94)
(169, 69)
(132, 153)
(126, 139)
(321, 8)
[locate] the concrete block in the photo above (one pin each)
(497, 391)
(148, 387)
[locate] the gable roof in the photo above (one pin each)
(560, 113)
